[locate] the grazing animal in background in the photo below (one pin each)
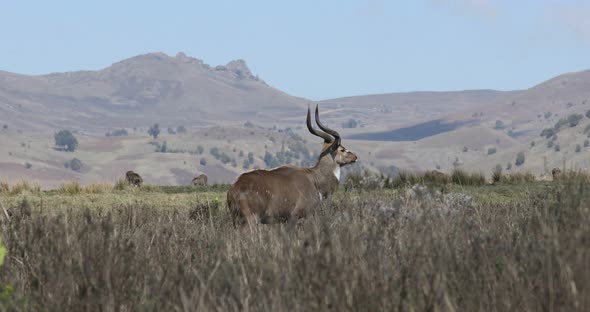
(556, 172)
(288, 192)
(200, 180)
(133, 178)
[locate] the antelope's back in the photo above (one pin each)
(263, 187)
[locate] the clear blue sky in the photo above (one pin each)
(316, 49)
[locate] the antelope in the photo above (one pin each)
(288, 193)
(555, 173)
(133, 178)
(200, 180)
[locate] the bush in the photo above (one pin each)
(200, 149)
(588, 113)
(499, 125)
(465, 149)
(171, 131)
(203, 162)
(180, 129)
(574, 119)
(164, 147)
(509, 166)
(118, 132)
(154, 131)
(74, 164)
(492, 150)
(497, 173)
(351, 123)
(578, 148)
(562, 122)
(66, 139)
(548, 132)
(28, 165)
(519, 159)
(557, 148)
(586, 143)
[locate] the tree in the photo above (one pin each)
(499, 125)
(578, 148)
(465, 149)
(66, 139)
(154, 131)
(203, 162)
(574, 119)
(200, 149)
(519, 159)
(548, 132)
(351, 123)
(588, 113)
(586, 143)
(171, 131)
(180, 129)
(75, 164)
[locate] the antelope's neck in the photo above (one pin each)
(327, 175)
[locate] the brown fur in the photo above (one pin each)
(288, 192)
(200, 180)
(133, 178)
(556, 172)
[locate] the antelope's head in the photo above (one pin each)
(332, 143)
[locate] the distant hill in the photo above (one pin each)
(230, 108)
(140, 91)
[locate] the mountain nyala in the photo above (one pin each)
(289, 193)
(133, 178)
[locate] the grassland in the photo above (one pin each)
(508, 247)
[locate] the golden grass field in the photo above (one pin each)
(517, 245)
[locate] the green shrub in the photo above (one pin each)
(497, 173)
(574, 119)
(66, 139)
(519, 159)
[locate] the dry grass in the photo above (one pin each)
(19, 187)
(375, 250)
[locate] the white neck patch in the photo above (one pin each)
(337, 172)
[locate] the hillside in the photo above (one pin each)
(140, 91)
(475, 129)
